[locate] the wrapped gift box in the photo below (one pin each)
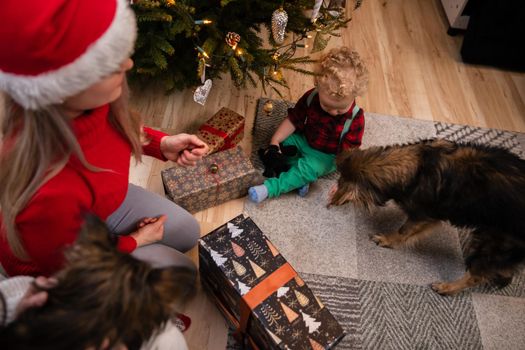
(260, 294)
(222, 131)
(214, 180)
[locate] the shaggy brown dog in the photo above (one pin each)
(103, 297)
(472, 186)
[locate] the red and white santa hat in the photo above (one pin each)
(54, 49)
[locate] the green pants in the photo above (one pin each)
(306, 167)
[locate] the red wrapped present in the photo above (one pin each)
(222, 131)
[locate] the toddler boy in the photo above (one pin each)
(324, 122)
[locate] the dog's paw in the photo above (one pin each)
(444, 288)
(382, 241)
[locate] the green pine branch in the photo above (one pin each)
(171, 40)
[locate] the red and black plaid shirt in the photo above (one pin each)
(322, 131)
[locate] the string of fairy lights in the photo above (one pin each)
(266, 63)
(278, 54)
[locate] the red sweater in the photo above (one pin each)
(53, 217)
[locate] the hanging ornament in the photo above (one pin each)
(202, 92)
(237, 249)
(301, 298)
(336, 7)
(232, 39)
(315, 10)
(239, 269)
(268, 108)
(279, 21)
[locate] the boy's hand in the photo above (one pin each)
(288, 150)
(272, 150)
(36, 294)
(150, 230)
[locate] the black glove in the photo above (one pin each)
(274, 161)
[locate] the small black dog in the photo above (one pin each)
(275, 159)
(471, 186)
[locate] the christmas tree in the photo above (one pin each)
(184, 42)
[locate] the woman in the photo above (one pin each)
(67, 136)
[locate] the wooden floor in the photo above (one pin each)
(415, 71)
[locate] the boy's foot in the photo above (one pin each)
(258, 193)
(303, 191)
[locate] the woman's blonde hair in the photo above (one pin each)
(36, 145)
(342, 73)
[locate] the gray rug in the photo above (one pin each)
(382, 296)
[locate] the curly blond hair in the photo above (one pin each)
(342, 73)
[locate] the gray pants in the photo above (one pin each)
(181, 230)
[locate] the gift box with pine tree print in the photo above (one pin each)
(224, 130)
(215, 179)
(260, 294)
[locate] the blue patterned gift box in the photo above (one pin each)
(217, 178)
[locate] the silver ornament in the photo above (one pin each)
(279, 21)
(202, 92)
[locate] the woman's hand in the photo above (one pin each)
(150, 230)
(184, 149)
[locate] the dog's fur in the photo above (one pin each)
(102, 295)
(481, 188)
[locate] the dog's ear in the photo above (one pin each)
(347, 164)
(94, 232)
(341, 158)
(173, 284)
